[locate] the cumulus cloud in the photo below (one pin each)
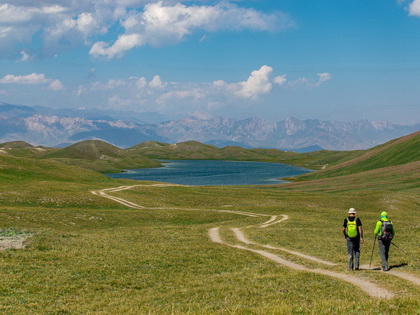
(56, 85)
(280, 80)
(25, 56)
(156, 94)
(33, 78)
(303, 81)
(414, 8)
(159, 25)
(258, 83)
(65, 23)
(123, 44)
(156, 83)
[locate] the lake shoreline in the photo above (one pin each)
(214, 173)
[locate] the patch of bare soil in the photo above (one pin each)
(13, 242)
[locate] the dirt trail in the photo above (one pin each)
(400, 274)
(369, 287)
(241, 237)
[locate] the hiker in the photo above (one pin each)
(384, 231)
(353, 233)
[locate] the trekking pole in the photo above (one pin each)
(404, 252)
(371, 256)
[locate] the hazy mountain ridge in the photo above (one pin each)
(43, 126)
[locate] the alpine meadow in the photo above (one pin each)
(92, 244)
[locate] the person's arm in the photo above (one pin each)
(378, 228)
(360, 231)
(344, 228)
(393, 230)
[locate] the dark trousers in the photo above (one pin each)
(353, 252)
(384, 252)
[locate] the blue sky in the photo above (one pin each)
(326, 59)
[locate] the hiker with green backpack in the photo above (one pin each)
(384, 231)
(353, 233)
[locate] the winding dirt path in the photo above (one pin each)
(241, 237)
(406, 276)
(370, 288)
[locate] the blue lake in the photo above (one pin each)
(206, 172)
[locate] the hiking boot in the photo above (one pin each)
(385, 269)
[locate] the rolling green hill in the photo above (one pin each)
(398, 152)
(93, 155)
(198, 151)
(100, 156)
(15, 145)
(24, 149)
(26, 170)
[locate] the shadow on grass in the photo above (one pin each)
(379, 268)
(398, 266)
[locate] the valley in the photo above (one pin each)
(146, 246)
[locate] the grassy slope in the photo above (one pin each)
(391, 154)
(93, 155)
(196, 150)
(92, 255)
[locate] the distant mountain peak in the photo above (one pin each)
(201, 115)
(49, 127)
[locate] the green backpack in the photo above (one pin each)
(351, 228)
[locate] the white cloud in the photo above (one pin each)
(323, 77)
(258, 83)
(414, 8)
(25, 56)
(280, 80)
(160, 24)
(124, 43)
(141, 83)
(33, 78)
(156, 83)
(303, 81)
(168, 97)
(65, 23)
(56, 85)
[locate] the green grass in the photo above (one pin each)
(88, 254)
(93, 155)
(112, 259)
(193, 150)
(391, 154)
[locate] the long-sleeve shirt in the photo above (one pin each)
(378, 228)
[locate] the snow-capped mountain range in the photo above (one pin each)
(48, 127)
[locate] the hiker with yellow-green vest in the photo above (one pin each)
(384, 231)
(353, 233)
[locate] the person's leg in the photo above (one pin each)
(350, 253)
(356, 247)
(381, 246)
(387, 245)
